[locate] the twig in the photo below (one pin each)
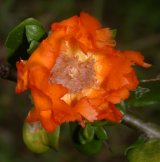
(151, 130)
(151, 80)
(7, 72)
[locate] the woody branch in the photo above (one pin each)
(7, 72)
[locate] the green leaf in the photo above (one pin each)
(100, 133)
(147, 152)
(34, 32)
(33, 45)
(88, 132)
(81, 138)
(54, 139)
(35, 137)
(80, 142)
(145, 95)
(20, 37)
(139, 142)
(90, 148)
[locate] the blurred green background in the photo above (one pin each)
(138, 25)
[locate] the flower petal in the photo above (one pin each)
(118, 95)
(22, 77)
(109, 112)
(33, 115)
(41, 101)
(47, 120)
(136, 57)
(86, 110)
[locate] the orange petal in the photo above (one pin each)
(68, 25)
(132, 80)
(41, 101)
(22, 76)
(104, 38)
(47, 120)
(118, 95)
(102, 68)
(39, 78)
(109, 112)
(44, 55)
(136, 57)
(89, 22)
(33, 116)
(118, 69)
(86, 110)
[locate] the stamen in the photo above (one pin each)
(72, 73)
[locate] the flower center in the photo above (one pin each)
(73, 73)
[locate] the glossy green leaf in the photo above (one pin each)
(88, 132)
(81, 138)
(77, 133)
(34, 32)
(33, 45)
(90, 148)
(145, 95)
(53, 138)
(147, 152)
(101, 133)
(35, 137)
(19, 39)
(15, 36)
(80, 142)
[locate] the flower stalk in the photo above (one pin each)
(151, 130)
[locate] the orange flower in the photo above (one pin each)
(76, 74)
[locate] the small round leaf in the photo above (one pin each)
(100, 133)
(88, 132)
(147, 152)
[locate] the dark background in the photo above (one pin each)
(138, 26)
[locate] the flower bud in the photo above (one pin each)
(35, 137)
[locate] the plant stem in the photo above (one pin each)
(151, 130)
(7, 72)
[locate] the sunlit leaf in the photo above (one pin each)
(146, 152)
(33, 45)
(34, 32)
(139, 142)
